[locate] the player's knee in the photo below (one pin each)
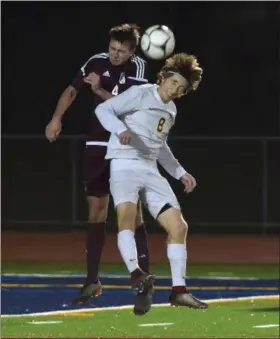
(96, 218)
(178, 232)
(98, 209)
(126, 213)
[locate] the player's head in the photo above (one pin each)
(123, 41)
(180, 74)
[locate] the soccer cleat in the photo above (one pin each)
(88, 291)
(186, 299)
(143, 301)
(144, 292)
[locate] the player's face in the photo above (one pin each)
(174, 87)
(119, 52)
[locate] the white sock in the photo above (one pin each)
(127, 247)
(177, 255)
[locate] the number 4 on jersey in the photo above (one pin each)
(115, 90)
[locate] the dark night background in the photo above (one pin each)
(237, 43)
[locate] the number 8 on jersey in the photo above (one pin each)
(160, 124)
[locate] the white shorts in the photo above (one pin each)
(134, 179)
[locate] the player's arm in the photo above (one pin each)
(93, 80)
(65, 100)
(108, 112)
(67, 97)
(170, 163)
(173, 167)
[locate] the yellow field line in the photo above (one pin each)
(127, 287)
(87, 311)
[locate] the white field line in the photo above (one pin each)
(266, 326)
(44, 322)
(127, 307)
(155, 324)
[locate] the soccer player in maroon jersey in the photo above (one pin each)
(107, 74)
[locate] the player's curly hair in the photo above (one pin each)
(184, 64)
(126, 32)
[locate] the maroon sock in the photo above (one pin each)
(179, 289)
(95, 240)
(135, 274)
(141, 240)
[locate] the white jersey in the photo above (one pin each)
(141, 111)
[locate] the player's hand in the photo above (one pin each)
(93, 79)
(53, 129)
(125, 137)
(189, 182)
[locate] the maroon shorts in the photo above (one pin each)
(96, 171)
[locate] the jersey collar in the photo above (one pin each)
(157, 96)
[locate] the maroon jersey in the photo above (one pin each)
(114, 79)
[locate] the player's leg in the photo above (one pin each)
(141, 281)
(143, 299)
(164, 207)
(126, 215)
(96, 179)
(96, 233)
(173, 222)
(141, 240)
(95, 240)
(126, 195)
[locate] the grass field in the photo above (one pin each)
(32, 309)
(239, 319)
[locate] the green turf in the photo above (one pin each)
(230, 270)
(221, 320)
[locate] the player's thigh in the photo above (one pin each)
(96, 182)
(96, 171)
(157, 194)
(124, 188)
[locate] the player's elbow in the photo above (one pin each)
(98, 111)
(102, 113)
(69, 94)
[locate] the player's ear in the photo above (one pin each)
(132, 51)
(161, 77)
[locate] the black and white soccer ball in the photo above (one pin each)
(158, 42)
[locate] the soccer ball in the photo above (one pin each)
(158, 42)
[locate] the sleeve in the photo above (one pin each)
(108, 112)
(92, 65)
(170, 163)
(139, 74)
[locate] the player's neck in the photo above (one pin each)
(163, 96)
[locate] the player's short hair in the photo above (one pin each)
(126, 32)
(184, 64)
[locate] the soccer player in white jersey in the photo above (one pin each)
(140, 120)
